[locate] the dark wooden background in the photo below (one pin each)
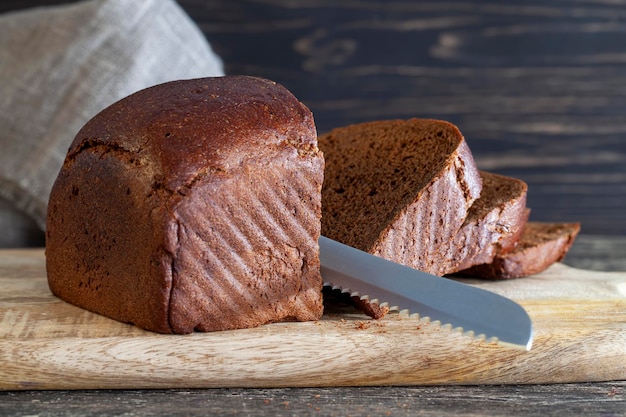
(537, 87)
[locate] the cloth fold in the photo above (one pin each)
(61, 65)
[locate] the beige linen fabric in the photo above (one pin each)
(59, 66)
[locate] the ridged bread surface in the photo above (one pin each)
(235, 265)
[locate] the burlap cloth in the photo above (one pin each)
(59, 66)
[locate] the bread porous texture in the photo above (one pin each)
(399, 189)
(191, 205)
(494, 223)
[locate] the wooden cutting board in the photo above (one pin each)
(45, 343)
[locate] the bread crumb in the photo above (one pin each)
(363, 325)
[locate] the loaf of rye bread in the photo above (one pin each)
(399, 189)
(540, 245)
(191, 205)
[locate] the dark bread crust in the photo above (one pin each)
(494, 222)
(191, 205)
(541, 245)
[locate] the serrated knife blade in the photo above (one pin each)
(440, 299)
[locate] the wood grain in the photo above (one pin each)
(579, 319)
(600, 399)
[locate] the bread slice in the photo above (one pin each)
(540, 245)
(399, 189)
(494, 222)
(192, 205)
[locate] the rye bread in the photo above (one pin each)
(540, 245)
(399, 189)
(191, 205)
(494, 222)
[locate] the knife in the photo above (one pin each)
(472, 309)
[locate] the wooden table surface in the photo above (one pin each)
(537, 87)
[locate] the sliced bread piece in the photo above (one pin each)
(399, 189)
(540, 245)
(494, 222)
